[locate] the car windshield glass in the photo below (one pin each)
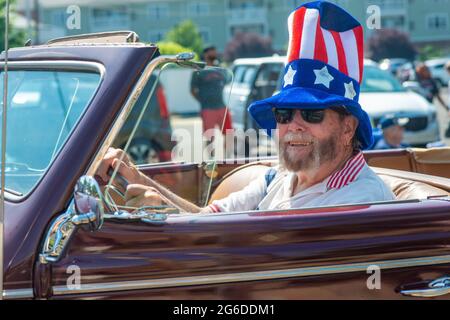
(43, 108)
(180, 117)
(377, 80)
(249, 75)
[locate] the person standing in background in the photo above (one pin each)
(430, 87)
(428, 84)
(393, 129)
(207, 88)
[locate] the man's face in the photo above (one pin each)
(211, 55)
(393, 135)
(308, 146)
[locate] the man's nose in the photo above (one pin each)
(297, 123)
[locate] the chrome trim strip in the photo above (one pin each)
(247, 276)
(18, 294)
(58, 64)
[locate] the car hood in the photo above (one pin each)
(380, 103)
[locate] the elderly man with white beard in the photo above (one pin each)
(320, 125)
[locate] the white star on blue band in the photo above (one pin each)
(323, 77)
(349, 90)
(289, 76)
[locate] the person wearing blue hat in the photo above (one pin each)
(393, 129)
(316, 119)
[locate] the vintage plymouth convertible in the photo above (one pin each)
(66, 238)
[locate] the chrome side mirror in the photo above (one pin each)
(88, 201)
(86, 211)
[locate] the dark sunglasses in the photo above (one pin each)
(315, 116)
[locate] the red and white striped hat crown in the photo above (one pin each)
(324, 67)
(337, 42)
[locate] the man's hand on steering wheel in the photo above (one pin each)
(117, 158)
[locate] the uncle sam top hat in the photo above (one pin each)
(324, 67)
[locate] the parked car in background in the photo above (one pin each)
(382, 94)
(152, 140)
(437, 69)
(392, 64)
(254, 79)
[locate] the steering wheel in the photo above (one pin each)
(113, 202)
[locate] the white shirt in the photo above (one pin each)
(354, 183)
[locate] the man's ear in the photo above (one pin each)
(350, 125)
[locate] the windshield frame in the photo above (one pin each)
(182, 60)
(61, 66)
(129, 104)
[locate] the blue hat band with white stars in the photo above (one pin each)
(318, 75)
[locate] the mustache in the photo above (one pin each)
(298, 137)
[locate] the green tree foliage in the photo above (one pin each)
(429, 52)
(17, 37)
(171, 48)
(390, 43)
(186, 35)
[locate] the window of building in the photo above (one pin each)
(58, 17)
(254, 28)
(341, 3)
(158, 11)
(292, 4)
(198, 8)
(205, 33)
(246, 4)
(437, 21)
(389, 4)
(156, 35)
(397, 22)
(106, 18)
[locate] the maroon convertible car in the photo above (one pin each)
(67, 236)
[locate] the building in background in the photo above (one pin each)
(426, 21)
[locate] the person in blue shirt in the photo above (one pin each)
(393, 129)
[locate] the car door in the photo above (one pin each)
(64, 131)
(348, 252)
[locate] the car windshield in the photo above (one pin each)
(377, 80)
(180, 117)
(43, 108)
(245, 74)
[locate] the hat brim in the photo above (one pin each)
(308, 98)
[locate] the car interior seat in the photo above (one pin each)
(405, 185)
